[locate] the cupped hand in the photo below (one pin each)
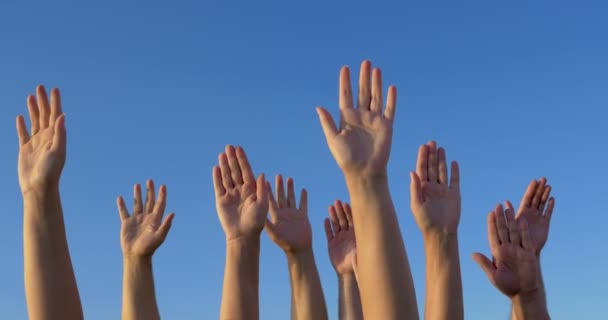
(288, 225)
(340, 232)
(241, 201)
(435, 203)
(362, 142)
(42, 155)
(513, 269)
(144, 230)
(534, 209)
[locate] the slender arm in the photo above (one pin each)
(383, 264)
(308, 301)
(47, 262)
(349, 298)
(443, 281)
(241, 279)
(534, 304)
(138, 299)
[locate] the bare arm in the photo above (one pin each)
(47, 263)
(290, 229)
(435, 203)
(361, 147)
(241, 279)
(537, 208)
(342, 247)
(306, 290)
(141, 234)
(242, 205)
(514, 266)
(349, 298)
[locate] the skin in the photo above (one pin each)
(342, 247)
(242, 205)
(435, 203)
(536, 207)
(289, 227)
(513, 269)
(361, 147)
(141, 233)
(47, 263)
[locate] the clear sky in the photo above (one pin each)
(513, 90)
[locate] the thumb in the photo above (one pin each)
(486, 265)
(164, 228)
(327, 123)
(415, 188)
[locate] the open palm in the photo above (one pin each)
(241, 202)
(534, 209)
(142, 232)
(362, 143)
(288, 225)
(435, 203)
(42, 155)
(340, 233)
(514, 266)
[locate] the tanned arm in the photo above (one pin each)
(47, 263)
(242, 205)
(435, 203)
(361, 147)
(290, 229)
(141, 234)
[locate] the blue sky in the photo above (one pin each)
(513, 90)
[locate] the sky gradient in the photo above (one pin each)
(513, 91)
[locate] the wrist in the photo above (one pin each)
(297, 256)
(346, 276)
(439, 236)
(137, 260)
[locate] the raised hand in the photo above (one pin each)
(341, 242)
(144, 230)
(241, 202)
(534, 209)
(362, 142)
(42, 155)
(435, 203)
(288, 225)
(514, 267)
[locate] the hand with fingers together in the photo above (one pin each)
(241, 201)
(141, 234)
(144, 230)
(537, 207)
(342, 247)
(361, 143)
(288, 225)
(290, 229)
(42, 154)
(340, 232)
(435, 199)
(435, 203)
(242, 206)
(513, 268)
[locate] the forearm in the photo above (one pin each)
(540, 295)
(241, 277)
(307, 293)
(529, 306)
(383, 264)
(349, 299)
(47, 263)
(444, 298)
(138, 296)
